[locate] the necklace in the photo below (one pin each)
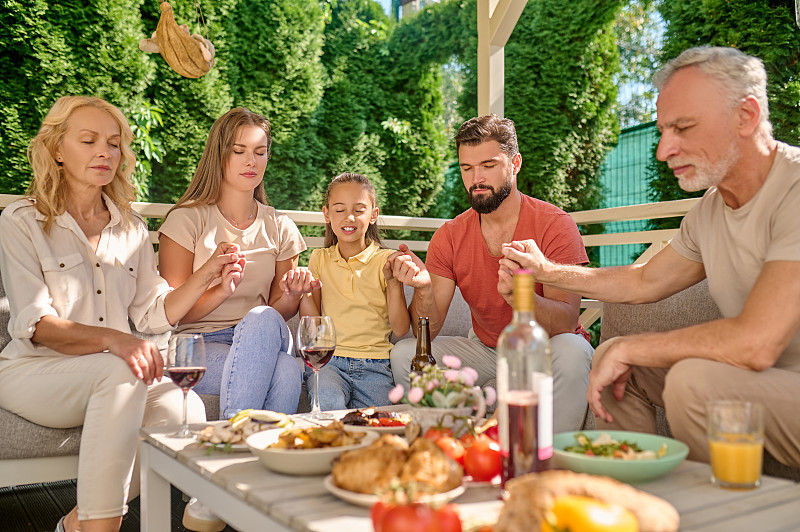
(237, 224)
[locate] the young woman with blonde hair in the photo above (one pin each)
(77, 264)
(251, 364)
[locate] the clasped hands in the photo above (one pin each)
(298, 282)
(609, 367)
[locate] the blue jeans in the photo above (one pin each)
(351, 383)
(252, 365)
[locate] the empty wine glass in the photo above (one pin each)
(186, 365)
(316, 341)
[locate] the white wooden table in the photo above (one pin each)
(250, 497)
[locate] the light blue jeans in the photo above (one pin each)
(351, 383)
(252, 365)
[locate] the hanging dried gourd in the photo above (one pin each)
(191, 56)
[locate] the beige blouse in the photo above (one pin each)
(58, 274)
(272, 237)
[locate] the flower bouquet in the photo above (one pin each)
(444, 396)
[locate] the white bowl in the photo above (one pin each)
(300, 461)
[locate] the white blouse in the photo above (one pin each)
(59, 274)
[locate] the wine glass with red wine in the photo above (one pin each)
(316, 341)
(186, 365)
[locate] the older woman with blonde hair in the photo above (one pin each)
(77, 265)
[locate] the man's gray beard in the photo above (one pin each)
(493, 202)
(708, 176)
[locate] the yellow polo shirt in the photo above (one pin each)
(354, 295)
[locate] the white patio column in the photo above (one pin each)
(496, 21)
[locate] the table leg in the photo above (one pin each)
(155, 496)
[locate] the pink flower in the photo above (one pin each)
(415, 395)
(469, 375)
(430, 386)
(451, 361)
(452, 375)
(396, 393)
(491, 395)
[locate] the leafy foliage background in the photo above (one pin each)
(344, 86)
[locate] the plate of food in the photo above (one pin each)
(378, 420)
(307, 451)
(367, 500)
(358, 475)
(625, 456)
(230, 435)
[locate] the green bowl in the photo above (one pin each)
(633, 471)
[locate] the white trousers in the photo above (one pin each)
(572, 360)
(100, 392)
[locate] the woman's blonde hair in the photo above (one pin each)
(48, 188)
(206, 184)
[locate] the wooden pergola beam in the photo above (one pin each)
(496, 21)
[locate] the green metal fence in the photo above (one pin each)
(624, 178)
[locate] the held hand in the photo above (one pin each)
(388, 273)
(142, 356)
(607, 370)
(524, 254)
(505, 280)
(225, 254)
(299, 281)
(232, 275)
(408, 268)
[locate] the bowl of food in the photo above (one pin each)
(306, 451)
(625, 456)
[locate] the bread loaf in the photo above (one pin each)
(530, 496)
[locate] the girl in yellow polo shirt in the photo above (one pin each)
(359, 292)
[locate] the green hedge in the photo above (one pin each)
(344, 86)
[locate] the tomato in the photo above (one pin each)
(583, 514)
(492, 432)
(417, 518)
(483, 460)
(452, 448)
(445, 519)
(377, 513)
(406, 518)
(467, 440)
(436, 432)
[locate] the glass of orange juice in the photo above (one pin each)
(736, 443)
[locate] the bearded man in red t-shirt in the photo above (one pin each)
(465, 253)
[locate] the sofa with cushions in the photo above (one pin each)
(31, 453)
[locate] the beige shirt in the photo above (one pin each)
(354, 295)
(58, 274)
(201, 229)
(734, 244)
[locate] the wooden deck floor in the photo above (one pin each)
(38, 507)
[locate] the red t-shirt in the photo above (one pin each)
(475, 270)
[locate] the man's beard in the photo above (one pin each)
(486, 205)
(707, 175)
